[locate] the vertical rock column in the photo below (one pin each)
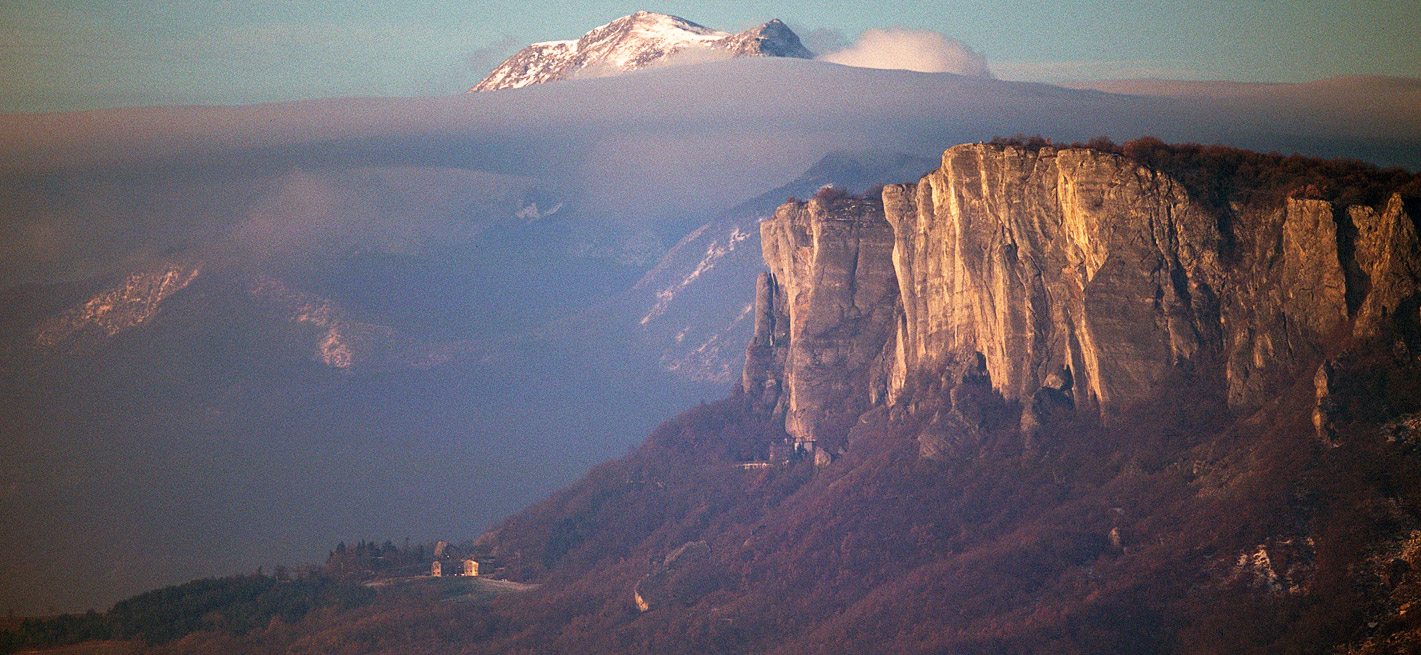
(823, 314)
(764, 358)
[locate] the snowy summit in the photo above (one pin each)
(634, 42)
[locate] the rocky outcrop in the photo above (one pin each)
(683, 309)
(1048, 260)
(822, 314)
(133, 301)
(1386, 247)
(680, 578)
(1082, 284)
(341, 342)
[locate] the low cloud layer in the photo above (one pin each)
(87, 196)
(915, 50)
(1057, 71)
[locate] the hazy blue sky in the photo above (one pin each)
(71, 54)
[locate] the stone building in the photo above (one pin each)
(449, 561)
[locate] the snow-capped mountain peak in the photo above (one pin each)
(634, 42)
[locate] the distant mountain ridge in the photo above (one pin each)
(634, 42)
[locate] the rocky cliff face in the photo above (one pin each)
(1051, 261)
(1067, 280)
(822, 314)
(681, 305)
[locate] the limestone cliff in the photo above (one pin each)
(1043, 261)
(822, 313)
(1067, 280)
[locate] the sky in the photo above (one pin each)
(243, 450)
(66, 55)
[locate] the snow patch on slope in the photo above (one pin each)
(716, 359)
(714, 252)
(641, 40)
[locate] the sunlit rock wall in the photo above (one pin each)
(823, 313)
(1047, 265)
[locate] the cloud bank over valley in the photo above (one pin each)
(409, 317)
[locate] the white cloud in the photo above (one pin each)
(915, 50)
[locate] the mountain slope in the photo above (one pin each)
(365, 395)
(638, 41)
(959, 514)
(1234, 476)
(378, 186)
(952, 511)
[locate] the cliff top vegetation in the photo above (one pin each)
(1222, 175)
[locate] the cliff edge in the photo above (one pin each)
(1070, 282)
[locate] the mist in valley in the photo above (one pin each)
(408, 318)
